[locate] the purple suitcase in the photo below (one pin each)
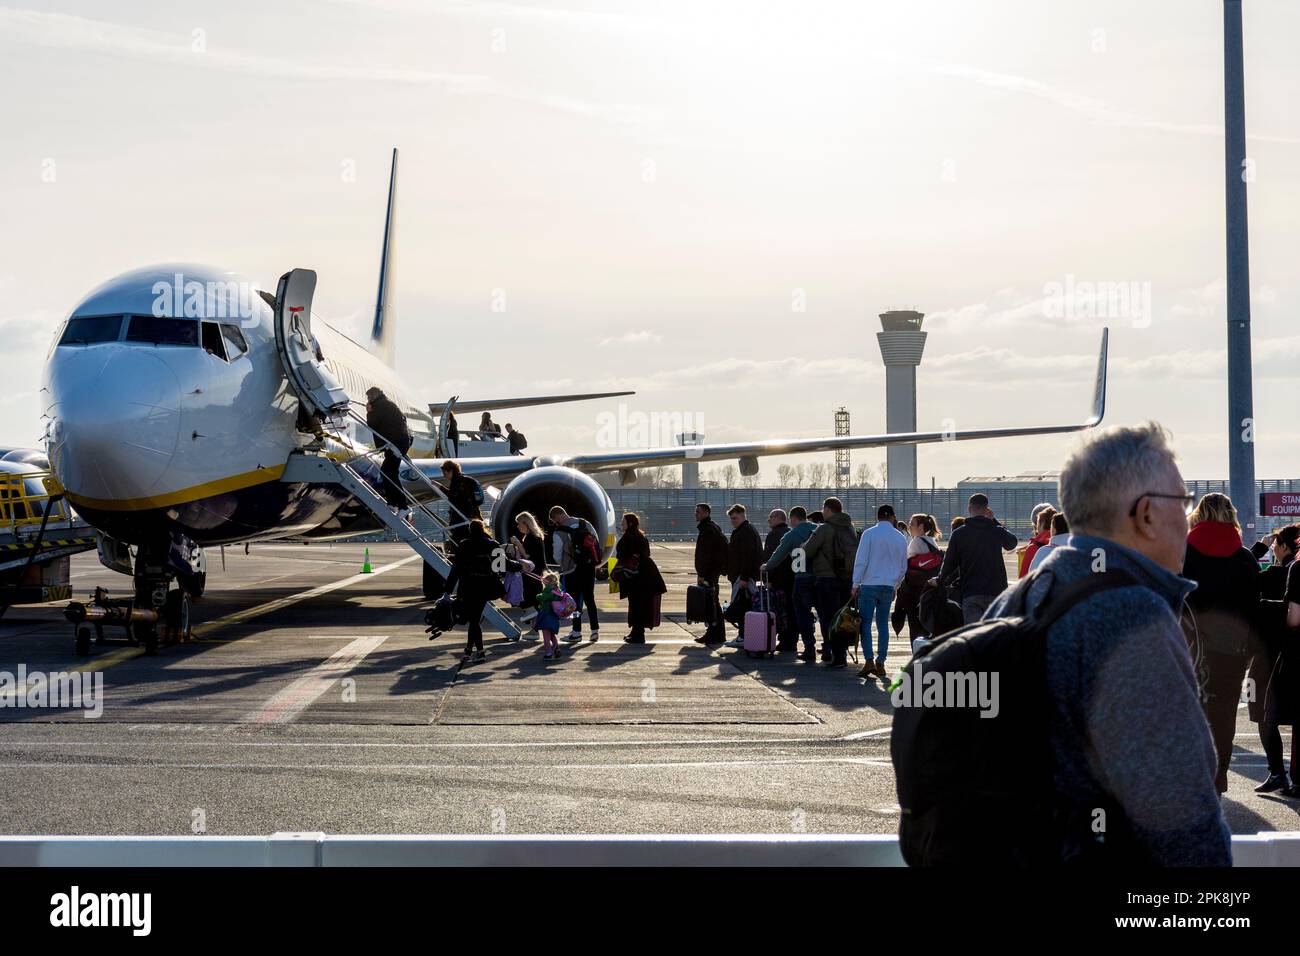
(760, 633)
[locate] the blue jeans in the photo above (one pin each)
(873, 602)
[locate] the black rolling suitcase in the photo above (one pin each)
(701, 603)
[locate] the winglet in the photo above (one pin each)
(383, 332)
(1099, 389)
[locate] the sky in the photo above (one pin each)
(708, 203)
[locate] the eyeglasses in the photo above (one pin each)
(1188, 501)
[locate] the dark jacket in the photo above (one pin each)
(633, 554)
(387, 420)
(460, 492)
(779, 575)
(471, 569)
(1226, 600)
(710, 550)
(744, 553)
(974, 557)
(1125, 720)
(831, 549)
(1276, 665)
(517, 442)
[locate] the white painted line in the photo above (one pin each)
(489, 745)
(863, 734)
(291, 599)
(289, 702)
(371, 767)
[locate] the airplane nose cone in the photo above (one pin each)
(115, 422)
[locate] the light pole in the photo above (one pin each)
(1241, 415)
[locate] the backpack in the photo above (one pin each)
(976, 790)
(586, 549)
(519, 441)
(475, 489)
(843, 552)
(565, 607)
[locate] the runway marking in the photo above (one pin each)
(291, 599)
(286, 704)
(371, 767)
(495, 744)
(126, 654)
(863, 734)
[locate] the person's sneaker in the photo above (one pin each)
(548, 657)
(879, 670)
(736, 642)
(595, 636)
(809, 656)
(867, 671)
(573, 636)
(832, 665)
(480, 657)
(1275, 781)
(634, 639)
(702, 639)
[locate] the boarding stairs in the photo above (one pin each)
(315, 467)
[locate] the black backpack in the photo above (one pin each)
(979, 791)
(586, 549)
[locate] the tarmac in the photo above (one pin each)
(310, 698)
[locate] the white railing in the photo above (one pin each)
(319, 849)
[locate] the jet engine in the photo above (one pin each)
(541, 489)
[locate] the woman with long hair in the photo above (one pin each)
(1224, 606)
(476, 583)
(638, 577)
(531, 544)
(923, 560)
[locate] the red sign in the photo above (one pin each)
(1279, 503)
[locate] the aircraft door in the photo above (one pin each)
(303, 366)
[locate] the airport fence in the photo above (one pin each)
(668, 514)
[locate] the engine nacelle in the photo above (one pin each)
(541, 489)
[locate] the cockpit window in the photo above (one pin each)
(212, 340)
(91, 329)
(235, 344)
(158, 330)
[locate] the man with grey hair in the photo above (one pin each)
(1134, 762)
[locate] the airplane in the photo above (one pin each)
(174, 396)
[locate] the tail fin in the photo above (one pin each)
(384, 331)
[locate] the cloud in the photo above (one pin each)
(68, 32)
(1091, 107)
(631, 338)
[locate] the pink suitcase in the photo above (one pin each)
(759, 633)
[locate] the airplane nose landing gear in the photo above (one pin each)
(158, 613)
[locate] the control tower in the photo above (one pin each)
(901, 344)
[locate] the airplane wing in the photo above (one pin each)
(492, 404)
(504, 468)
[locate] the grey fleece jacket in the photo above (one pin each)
(1126, 719)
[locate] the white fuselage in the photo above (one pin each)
(152, 434)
